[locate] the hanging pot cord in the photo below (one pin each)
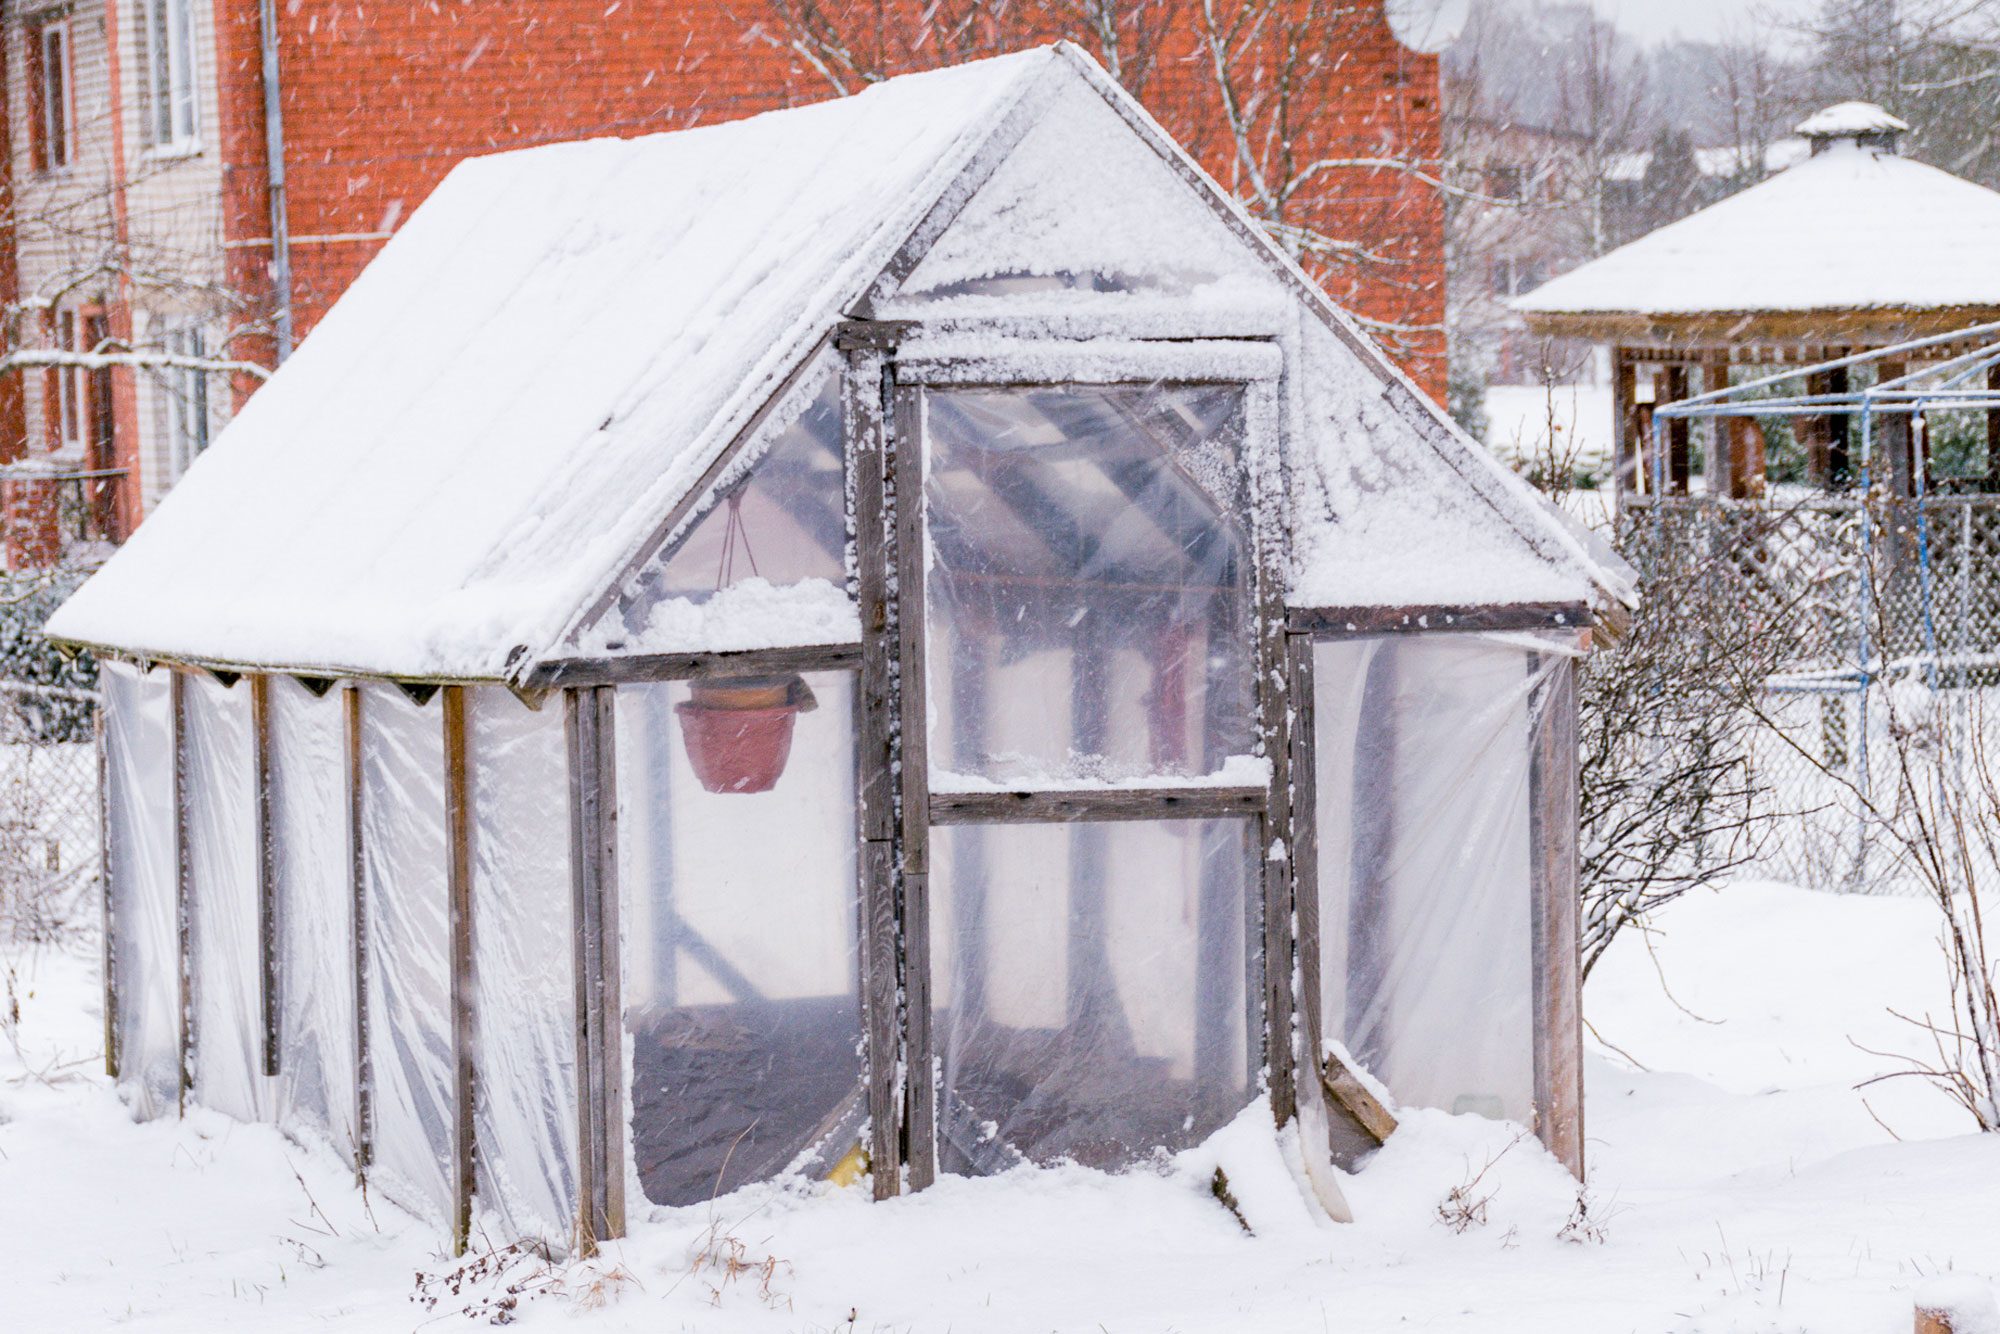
(733, 532)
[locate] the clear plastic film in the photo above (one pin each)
(407, 931)
(224, 949)
(143, 883)
(315, 915)
(740, 910)
(1089, 583)
(524, 990)
(1424, 749)
(1091, 989)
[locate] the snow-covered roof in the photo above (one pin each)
(1718, 163)
(1849, 229)
(479, 443)
(1848, 119)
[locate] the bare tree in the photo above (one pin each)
(1243, 83)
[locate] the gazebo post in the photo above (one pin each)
(1680, 460)
(1627, 470)
(1992, 480)
(1721, 454)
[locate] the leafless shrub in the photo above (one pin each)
(1670, 797)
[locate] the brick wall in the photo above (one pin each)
(380, 100)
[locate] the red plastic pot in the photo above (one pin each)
(738, 733)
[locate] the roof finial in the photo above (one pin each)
(1860, 123)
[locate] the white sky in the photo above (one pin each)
(1701, 20)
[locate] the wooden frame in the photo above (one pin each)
(1096, 804)
(106, 870)
(865, 393)
(1367, 622)
(267, 869)
(458, 881)
(357, 883)
(1556, 928)
(183, 883)
(639, 668)
(589, 732)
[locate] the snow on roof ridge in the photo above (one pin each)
(1845, 119)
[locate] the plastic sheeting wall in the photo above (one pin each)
(315, 915)
(1424, 748)
(740, 914)
(524, 997)
(224, 935)
(1090, 983)
(407, 932)
(143, 888)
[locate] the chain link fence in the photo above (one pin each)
(1890, 610)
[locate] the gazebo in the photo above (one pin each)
(895, 637)
(1854, 249)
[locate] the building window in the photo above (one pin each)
(186, 392)
(51, 121)
(172, 120)
(69, 385)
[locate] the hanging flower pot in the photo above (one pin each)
(738, 730)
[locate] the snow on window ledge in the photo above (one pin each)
(1236, 771)
(751, 614)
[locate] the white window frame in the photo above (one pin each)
(184, 391)
(58, 119)
(173, 94)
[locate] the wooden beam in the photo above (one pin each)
(1350, 622)
(1556, 908)
(1097, 804)
(458, 881)
(1299, 668)
(1347, 1090)
(865, 427)
(589, 731)
(1993, 432)
(1274, 828)
(267, 868)
(107, 872)
(357, 884)
(183, 884)
(1680, 454)
(1628, 451)
(563, 673)
(906, 466)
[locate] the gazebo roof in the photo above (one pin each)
(478, 443)
(1855, 235)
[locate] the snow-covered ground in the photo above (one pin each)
(1521, 419)
(1739, 1182)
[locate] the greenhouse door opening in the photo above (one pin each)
(1089, 604)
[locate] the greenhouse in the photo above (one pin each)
(894, 637)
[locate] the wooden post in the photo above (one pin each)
(1992, 481)
(357, 883)
(1275, 833)
(1895, 455)
(458, 880)
(107, 869)
(1680, 456)
(1746, 457)
(589, 733)
(1721, 467)
(1558, 987)
(1629, 470)
(1304, 801)
(865, 427)
(1817, 433)
(267, 867)
(183, 884)
(1839, 453)
(906, 612)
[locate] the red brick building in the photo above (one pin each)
(143, 200)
